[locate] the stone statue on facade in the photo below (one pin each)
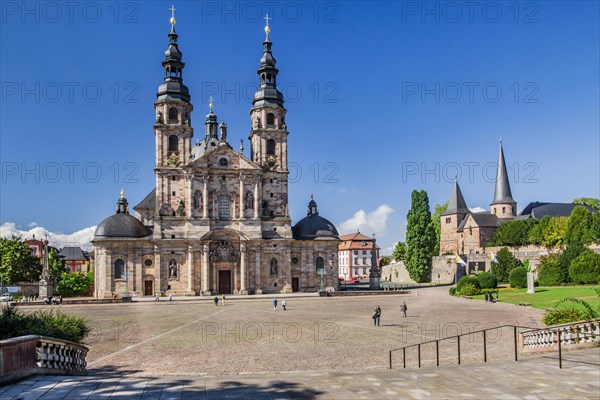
(223, 129)
(173, 269)
(274, 266)
(159, 118)
(181, 209)
(198, 200)
(249, 201)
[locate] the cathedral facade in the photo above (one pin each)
(217, 222)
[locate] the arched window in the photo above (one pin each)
(270, 147)
(503, 210)
(224, 209)
(270, 119)
(173, 115)
(173, 144)
(320, 263)
(119, 269)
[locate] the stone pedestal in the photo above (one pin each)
(259, 291)
(207, 293)
(46, 289)
(190, 293)
(530, 283)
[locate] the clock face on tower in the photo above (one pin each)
(223, 162)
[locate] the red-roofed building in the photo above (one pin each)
(354, 255)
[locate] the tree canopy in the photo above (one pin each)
(420, 237)
(17, 264)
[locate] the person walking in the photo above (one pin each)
(376, 315)
(60, 299)
(284, 305)
(403, 308)
(486, 297)
(275, 303)
(157, 298)
(223, 299)
(170, 297)
(216, 300)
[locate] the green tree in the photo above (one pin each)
(588, 201)
(554, 234)
(17, 264)
(513, 233)
(579, 227)
(585, 268)
(551, 271)
(518, 277)
(437, 224)
(399, 253)
(596, 227)
(56, 266)
(80, 284)
(420, 237)
(505, 263)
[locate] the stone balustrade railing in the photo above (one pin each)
(30, 355)
(574, 335)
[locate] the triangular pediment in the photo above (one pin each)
(214, 160)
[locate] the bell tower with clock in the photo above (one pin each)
(268, 136)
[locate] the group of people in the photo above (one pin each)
(489, 297)
(377, 313)
(283, 304)
(216, 300)
(53, 300)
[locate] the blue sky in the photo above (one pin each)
(382, 97)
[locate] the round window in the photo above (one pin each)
(148, 262)
(295, 260)
(223, 162)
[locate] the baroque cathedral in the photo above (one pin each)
(217, 221)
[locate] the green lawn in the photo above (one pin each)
(546, 297)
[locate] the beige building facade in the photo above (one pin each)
(217, 221)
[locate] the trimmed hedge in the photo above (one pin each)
(518, 277)
(487, 280)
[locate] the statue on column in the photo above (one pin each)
(198, 200)
(223, 129)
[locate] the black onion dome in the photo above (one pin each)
(121, 224)
(313, 226)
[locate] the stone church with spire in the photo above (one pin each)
(216, 222)
(463, 232)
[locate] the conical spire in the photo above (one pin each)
(173, 87)
(502, 194)
(456, 202)
(267, 93)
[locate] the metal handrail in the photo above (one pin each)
(515, 327)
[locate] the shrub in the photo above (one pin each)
(487, 280)
(552, 271)
(466, 280)
(468, 289)
(44, 323)
(452, 291)
(585, 268)
(518, 277)
(563, 315)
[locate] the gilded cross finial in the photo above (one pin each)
(267, 29)
(172, 14)
(122, 193)
(210, 105)
(312, 196)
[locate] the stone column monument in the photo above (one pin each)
(46, 288)
(375, 274)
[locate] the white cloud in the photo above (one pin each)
(368, 222)
(32, 224)
(80, 238)
(478, 209)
